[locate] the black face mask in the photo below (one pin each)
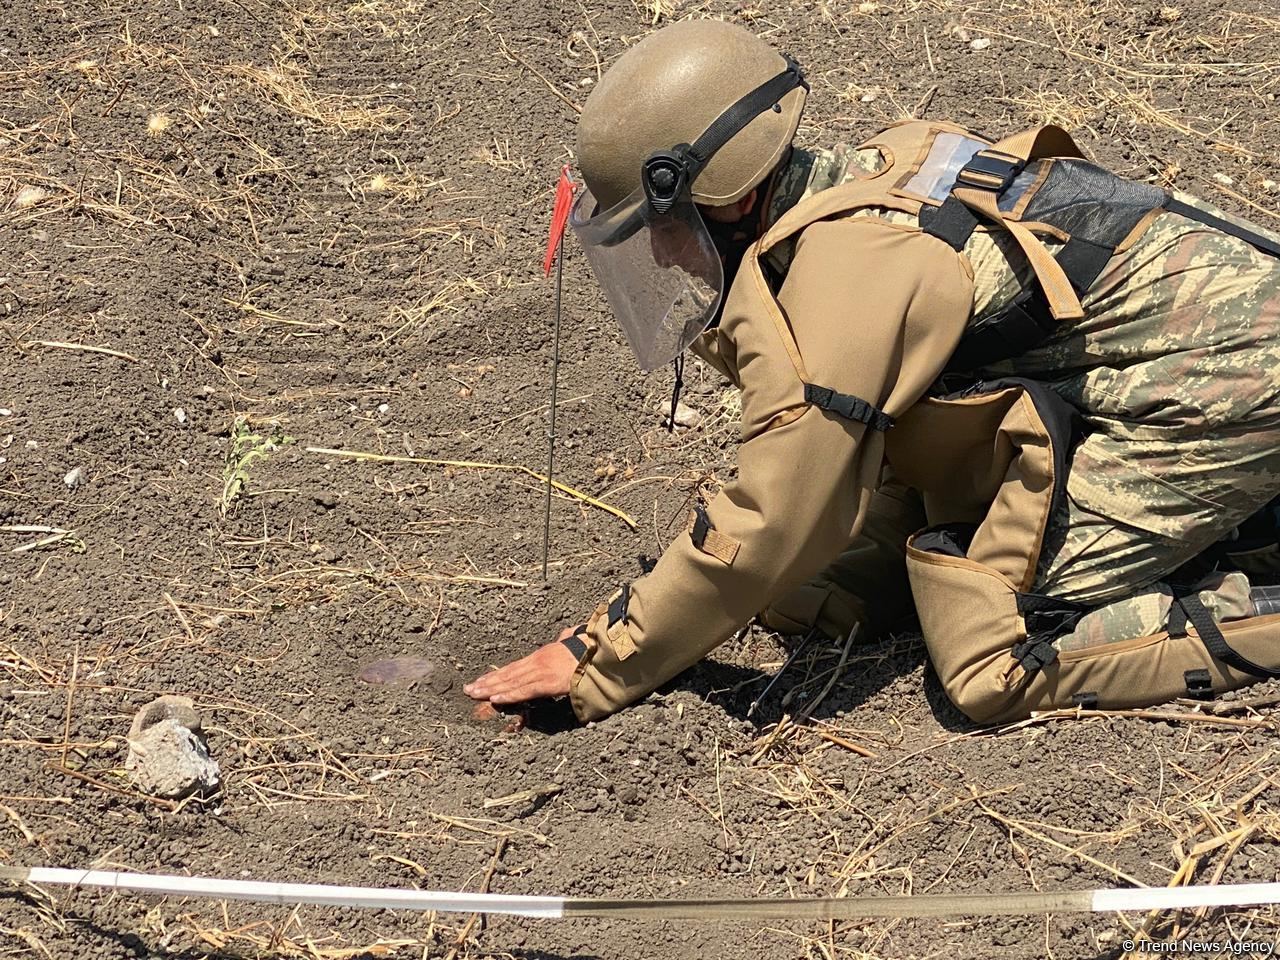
(732, 240)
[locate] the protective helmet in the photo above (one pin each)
(699, 112)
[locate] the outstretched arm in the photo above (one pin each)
(869, 310)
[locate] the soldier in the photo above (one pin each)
(1036, 400)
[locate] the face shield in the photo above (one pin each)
(660, 272)
(652, 253)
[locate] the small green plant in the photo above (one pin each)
(247, 446)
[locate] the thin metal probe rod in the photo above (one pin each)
(551, 431)
(773, 681)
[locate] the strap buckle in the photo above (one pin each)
(1034, 654)
(1199, 684)
(618, 607)
(820, 396)
(847, 406)
(989, 170)
(701, 525)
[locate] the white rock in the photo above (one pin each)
(980, 44)
(167, 754)
(179, 414)
(686, 416)
(1223, 179)
(1270, 185)
(32, 445)
(169, 760)
(5, 412)
(74, 477)
(384, 407)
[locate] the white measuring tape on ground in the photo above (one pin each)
(831, 908)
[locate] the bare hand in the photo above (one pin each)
(544, 673)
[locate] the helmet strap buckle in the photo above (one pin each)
(667, 176)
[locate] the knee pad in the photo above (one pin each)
(992, 463)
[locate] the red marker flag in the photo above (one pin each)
(559, 217)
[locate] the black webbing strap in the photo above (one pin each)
(1044, 619)
(576, 645)
(1200, 618)
(1048, 617)
(701, 525)
(1027, 321)
(1024, 324)
(847, 406)
(1083, 262)
(1254, 239)
(730, 123)
(953, 222)
(1085, 700)
(618, 608)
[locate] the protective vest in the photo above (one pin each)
(992, 459)
(1034, 187)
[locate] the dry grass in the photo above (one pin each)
(447, 297)
(1114, 85)
(203, 150)
(287, 85)
(1208, 822)
(498, 156)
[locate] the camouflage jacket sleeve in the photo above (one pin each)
(869, 309)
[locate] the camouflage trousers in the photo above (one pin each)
(1183, 421)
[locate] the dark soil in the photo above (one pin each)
(321, 225)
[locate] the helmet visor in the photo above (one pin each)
(660, 272)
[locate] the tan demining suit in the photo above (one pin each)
(1169, 361)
